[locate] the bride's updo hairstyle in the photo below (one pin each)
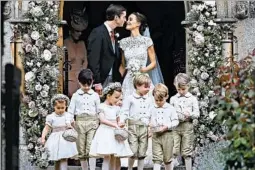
(142, 19)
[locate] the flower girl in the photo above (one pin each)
(104, 143)
(60, 120)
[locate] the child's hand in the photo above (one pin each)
(116, 126)
(186, 115)
(163, 128)
(121, 124)
(43, 141)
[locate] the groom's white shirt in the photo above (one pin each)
(113, 44)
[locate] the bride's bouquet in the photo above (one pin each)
(134, 67)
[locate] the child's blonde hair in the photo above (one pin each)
(181, 80)
(141, 79)
(160, 91)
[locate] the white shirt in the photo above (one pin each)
(136, 107)
(164, 116)
(187, 103)
(113, 44)
(82, 102)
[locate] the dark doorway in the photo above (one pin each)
(164, 20)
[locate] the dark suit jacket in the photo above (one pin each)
(101, 57)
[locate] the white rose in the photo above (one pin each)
(35, 50)
(46, 87)
(196, 72)
(199, 39)
(211, 93)
(214, 13)
(37, 11)
(29, 76)
(200, 28)
(31, 4)
(202, 68)
(206, 54)
(201, 7)
(31, 104)
(207, 14)
(28, 48)
(204, 76)
(194, 7)
(195, 53)
(196, 91)
(38, 64)
(47, 27)
(44, 93)
(34, 69)
(54, 49)
(210, 3)
(46, 19)
(47, 55)
(193, 83)
(39, 43)
(194, 25)
(38, 87)
(211, 23)
(35, 35)
(212, 64)
(212, 115)
(50, 3)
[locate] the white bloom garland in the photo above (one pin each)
(40, 61)
(204, 60)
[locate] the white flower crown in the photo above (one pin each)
(110, 87)
(59, 97)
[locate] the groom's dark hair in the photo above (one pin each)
(114, 10)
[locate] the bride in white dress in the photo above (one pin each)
(140, 49)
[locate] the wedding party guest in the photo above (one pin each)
(136, 109)
(59, 148)
(104, 143)
(187, 108)
(85, 106)
(136, 48)
(77, 52)
(103, 51)
(163, 120)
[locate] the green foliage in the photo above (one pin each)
(235, 103)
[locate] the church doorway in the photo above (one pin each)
(164, 20)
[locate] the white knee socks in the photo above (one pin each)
(92, 163)
(188, 163)
(84, 165)
(169, 166)
(156, 167)
(63, 165)
(140, 164)
(106, 163)
(130, 163)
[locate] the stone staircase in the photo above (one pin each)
(98, 168)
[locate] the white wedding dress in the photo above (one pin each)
(134, 48)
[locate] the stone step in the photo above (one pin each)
(99, 168)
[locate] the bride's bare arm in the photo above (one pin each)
(122, 65)
(152, 58)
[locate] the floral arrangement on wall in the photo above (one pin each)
(40, 61)
(204, 58)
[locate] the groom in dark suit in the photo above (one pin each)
(103, 52)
